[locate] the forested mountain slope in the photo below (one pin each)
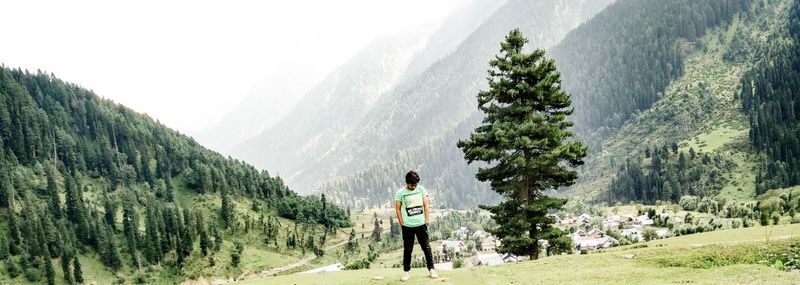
(86, 180)
(693, 140)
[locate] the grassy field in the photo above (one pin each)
(741, 183)
(716, 138)
(638, 264)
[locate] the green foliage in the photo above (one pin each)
(769, 94)
(525, 139)
(667, 175)
(295, 207)
(4, 248)
(458, 263)
(12, 268)
(361, 263)
(65, 270)
(77, 271)
(783, 252)
(50, 273)
(236, 255)
(352, 242)
(376, 231)
(622, 59)
(649, 234)
(71, 162)
(227, 212)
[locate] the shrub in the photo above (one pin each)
(458, 263)
(689, 203)
(649, 234)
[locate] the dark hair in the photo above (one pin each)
(412, 177)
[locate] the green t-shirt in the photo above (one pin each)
(411, 205)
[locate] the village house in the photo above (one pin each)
(634, 233)
(461, 233)
(583, 220)
(330, 268)
(644, 220)
(480, 234)
(490, 259)
(591, 240)
(489, 244)
(610, 224)
(453, 246)
(627, 219)
(556, 219)
(663, 233)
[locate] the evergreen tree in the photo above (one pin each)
(525, 138)
(74, 197)
(53, 190)
(110, 253)
(191, 227)
(65, 260)
(205, 242)
(217, 239)
(11, 268)
(130, 225)
(227, 211)
(184, 245)
(352, 243)
(4, 251)
(13, 230)
(77, 272)
(394, 230)
(110, 211)
(236, 255)
(376, 232)
(49, 272)
(153, 235)
(6, 188)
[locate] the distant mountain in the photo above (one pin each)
(451, 33)
(264, 106)
(275, 98)
(328, 112)
(418, 118)
(331, 109)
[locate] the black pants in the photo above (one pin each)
(421, 233)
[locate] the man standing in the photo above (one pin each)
(411, 208)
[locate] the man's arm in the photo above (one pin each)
(427, 210)
(397, 206)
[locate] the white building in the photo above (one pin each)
(330, 268)
(633, 233)
(454, 245)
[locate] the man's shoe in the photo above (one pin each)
(433, 274)
(405, 276)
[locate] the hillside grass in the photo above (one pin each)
(719, 257)
(741, 182)
(698, 110)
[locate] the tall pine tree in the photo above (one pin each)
(525, 140)
(77, 272)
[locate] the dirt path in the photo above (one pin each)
(291, 266)
(263, 274)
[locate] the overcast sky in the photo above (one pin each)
(187, 63)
